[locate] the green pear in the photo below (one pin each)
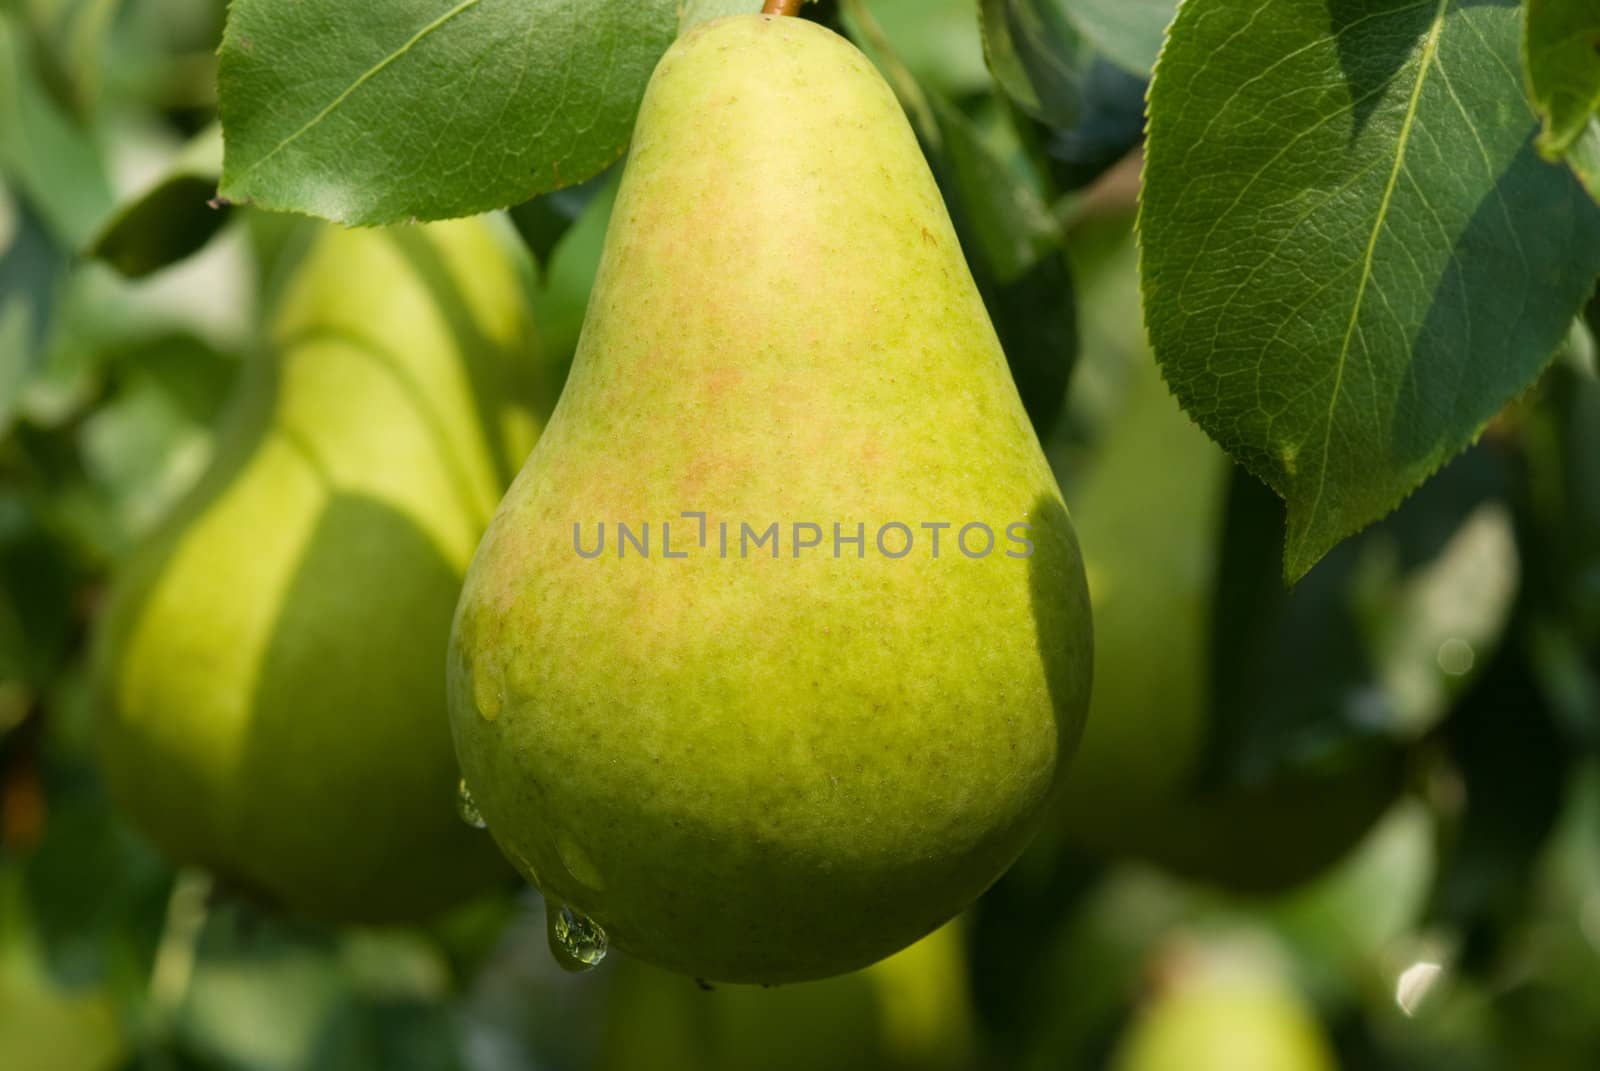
(910, 1012)
(1225, 1016)
(273, 705)
(781, 760)
(1150, 515)
(1151, 520)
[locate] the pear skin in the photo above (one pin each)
(273, 705)
(784, 763)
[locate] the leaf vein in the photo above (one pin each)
(366, 76)
(1429, 51)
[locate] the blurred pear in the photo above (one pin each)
(1222, 1014)
(909, 1012)
(1151, 515)
(271, 664)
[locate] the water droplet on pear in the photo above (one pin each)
(576, 940)
(467, 807)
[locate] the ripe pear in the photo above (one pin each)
(1151, 520)
(1225, 1016)
(783, 763)
(273, 702)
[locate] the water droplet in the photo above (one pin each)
(576, 940)
(467, 807)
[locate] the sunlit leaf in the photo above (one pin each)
(1353, 256)
(428, 109)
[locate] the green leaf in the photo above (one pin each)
(55, 165)
(1128, 31)
(1352, 254)
(171, 218)
(698, 11)
(1511, 763)
(1583, 156)
(1377, 643)
(1041, 51)
(1006, 226)
(428, 109)
(1038, 57)
(545, 220)
(1088, 108)
(568, 275)
(32, 268)
(1561, 52)
(146, 445)
(938, 42)
(1561, 537)
(1110, 126)
(1014, 250)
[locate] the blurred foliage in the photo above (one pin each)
(1463, 932)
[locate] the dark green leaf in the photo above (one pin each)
(1353, 256)
(1378, 642)
(1128, 31)
(1561, 453)
(38, 577)
(390, 1037)
(1007, 228)
(1561, 49)
(172, 218)
(1042, 51)
(1512, 770)
(1107, 130)
(1081, 111)
(428, 109)
(32, 267)
(1014, 249)
(545, 220)
(1038, 57)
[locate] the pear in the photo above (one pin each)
(1152, 518)
(910, 1012)
(270, 668)
(791, 757)
(1225, 1014)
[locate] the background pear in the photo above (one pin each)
(910, 1012)
(1221, 1012)
(1151, 514)
(273, 706)
(772, 768)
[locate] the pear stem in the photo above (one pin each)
(782, 7)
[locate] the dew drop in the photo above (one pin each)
(467, 807)
(576, 940)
